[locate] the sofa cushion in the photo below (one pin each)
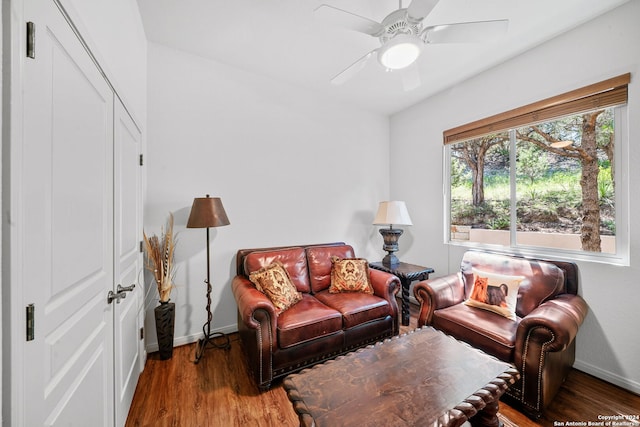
(544, 279)
(356, 307)
(488, 331)
(495, 292)
(273, 281)
(293, 259)
(319, 258)
(307, 320)
(350, 275)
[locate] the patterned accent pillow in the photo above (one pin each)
(350, 275)
(495, 292)
(274, 281)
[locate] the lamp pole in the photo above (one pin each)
(209, 337)
(205, 213)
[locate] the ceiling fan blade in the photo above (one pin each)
(350, 21)
(352, 69)
(466, 32)
(411, 77)
(418, 9)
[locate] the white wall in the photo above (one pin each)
(291, 168)
(608, 343)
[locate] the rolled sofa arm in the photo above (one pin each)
(553, 324)
(434, 294)
(551, 327)
(249, 301)
(257, 328)
(385, 285)
(545, 348)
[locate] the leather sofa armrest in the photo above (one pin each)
(250, 301)
(553, 325)
(434, 294)
(385, 285)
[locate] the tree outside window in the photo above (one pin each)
(561, 192)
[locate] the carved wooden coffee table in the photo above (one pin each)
(422, 378)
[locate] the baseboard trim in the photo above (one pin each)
(188, 339)
(610, 377)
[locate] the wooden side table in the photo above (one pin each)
(407, 273)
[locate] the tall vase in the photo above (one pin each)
(165, 319)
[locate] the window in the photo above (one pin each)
(544, 176)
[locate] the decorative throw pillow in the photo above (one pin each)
(495, 292)
(274, 281)
(350, 275)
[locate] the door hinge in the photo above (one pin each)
(31, 312)
(141, 246)
(31, 40)
(141, 333)
(141, 159)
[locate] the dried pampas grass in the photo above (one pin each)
(160, 259)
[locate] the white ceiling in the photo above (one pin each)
(283, 40)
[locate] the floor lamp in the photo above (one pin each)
(208, 212)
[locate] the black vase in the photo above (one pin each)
(165, 319)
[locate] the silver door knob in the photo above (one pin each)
(126, 288)
(115, 296)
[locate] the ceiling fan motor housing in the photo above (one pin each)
(397, 22)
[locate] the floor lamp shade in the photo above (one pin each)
(207, 212)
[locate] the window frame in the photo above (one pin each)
(621, 135)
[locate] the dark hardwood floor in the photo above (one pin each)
(218, 392)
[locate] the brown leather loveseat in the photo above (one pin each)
(320, 326)
(539, 340)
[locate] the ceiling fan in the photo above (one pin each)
(403, 36)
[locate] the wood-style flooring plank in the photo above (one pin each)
(219, 392)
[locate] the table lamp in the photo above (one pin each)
(391, 213)
(208, 212)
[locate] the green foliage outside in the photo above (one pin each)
(532, 164)
(550, 202)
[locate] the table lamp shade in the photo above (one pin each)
(390, 213)
(207, 212)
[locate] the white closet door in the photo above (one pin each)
(66, 229)
(128, 216)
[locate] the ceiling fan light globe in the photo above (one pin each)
(400, 52)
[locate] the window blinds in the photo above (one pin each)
(604, 94)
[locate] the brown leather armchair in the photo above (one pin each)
(540, 342)
(319, 327)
